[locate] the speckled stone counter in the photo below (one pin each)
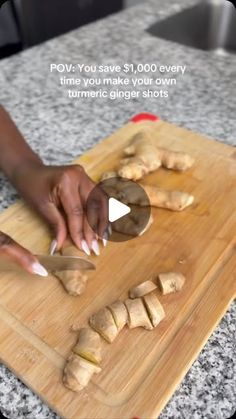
(60, 129)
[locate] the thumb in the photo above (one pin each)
(57, 223)
(20, 255)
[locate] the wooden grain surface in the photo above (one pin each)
(141, 369)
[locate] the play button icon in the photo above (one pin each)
(116, 210)
(128, 208)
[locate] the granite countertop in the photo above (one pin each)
(60, 129)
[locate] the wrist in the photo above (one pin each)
(15, 152)
(26, 166)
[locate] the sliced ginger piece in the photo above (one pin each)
(119, 313)
(73, 281)
(142, 289)
(103, 323)
(154, 308)
(88, 346)
(78, 372)
(137, 314)
(170, 282)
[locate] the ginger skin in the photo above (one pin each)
(170, 282)
(83, 361)
(88, 345)
(156, 197)
(154, 308)
(78, 372)
(74, 282)
(171, 200)
(119, 313)
(104, 324)
(142, 289)
(145, 157)
(137, 314)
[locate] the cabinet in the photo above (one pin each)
(44, 19)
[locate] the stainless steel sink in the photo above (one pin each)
(209, 25)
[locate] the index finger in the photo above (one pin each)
(20, 255)
(73, 208)
(97, 211)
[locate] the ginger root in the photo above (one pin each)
(170, 282)
(84, 360)
(154, 308)
(132, 224)
(73, 281)
(172, 200)
(108, 175)
(89, 346)
(155, 197)
(142, 289)
(119, 313)
(146, 156)
(103, 323)
(78, 372)
(137, 314)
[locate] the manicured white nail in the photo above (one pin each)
(95, 247)
(109, 229)
(105, 238)
(104, 242)
(53, 247)
(38, 269)
(85, 247)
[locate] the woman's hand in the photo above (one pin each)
(20, 255)
(59, 195)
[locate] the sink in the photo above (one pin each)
(209, 25)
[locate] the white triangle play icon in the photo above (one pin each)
(117, 210)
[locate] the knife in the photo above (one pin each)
(52, 263)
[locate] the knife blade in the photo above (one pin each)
(52, 263)
(65, 263)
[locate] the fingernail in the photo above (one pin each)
(85, 247)
(109, 229)
(105, 238)
(38, 269)
(95, 247)
(53, 247)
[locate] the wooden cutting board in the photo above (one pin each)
(141, 369)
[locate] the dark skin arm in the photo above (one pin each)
(57, 193)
